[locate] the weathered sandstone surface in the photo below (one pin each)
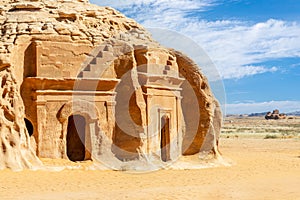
(80, 82)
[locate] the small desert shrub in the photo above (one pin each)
(271, 136)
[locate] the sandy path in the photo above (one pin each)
(263, 169)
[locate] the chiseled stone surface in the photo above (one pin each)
(80, 72)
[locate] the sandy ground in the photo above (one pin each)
(262, 169)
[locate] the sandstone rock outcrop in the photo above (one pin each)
(89, 83)
(275, 115)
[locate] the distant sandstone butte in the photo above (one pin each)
(80, 82)
(275, 115)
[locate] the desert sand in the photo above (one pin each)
(260, 169)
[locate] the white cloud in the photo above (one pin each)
(159, 5)
(248, 70)
(236, 47)
(254, 107)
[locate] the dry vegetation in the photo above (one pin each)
(258, 127)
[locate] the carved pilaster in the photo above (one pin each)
(110, 107)
(41, 124)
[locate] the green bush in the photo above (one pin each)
(271, 136)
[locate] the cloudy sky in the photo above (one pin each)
(254, 44)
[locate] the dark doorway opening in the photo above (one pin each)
(29, 126)
(165, 139)
(76, 138)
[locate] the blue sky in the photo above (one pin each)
(254, 44)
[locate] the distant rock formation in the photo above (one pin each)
(295, 113)
(51, 51)
(275, 115)
(261, 114)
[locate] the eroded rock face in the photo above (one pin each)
(135, 99)
(15, 150)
